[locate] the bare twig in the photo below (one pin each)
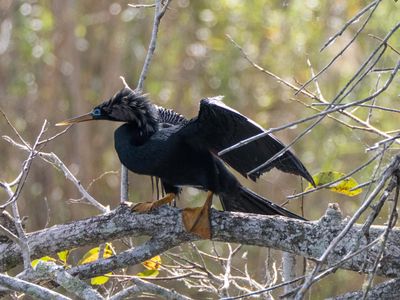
(89, 186)
(347, 24)
(323, 113)
(10, 235)
(373, 104)
(21, 179)
(158, 278)
(383, 142)
(54, 136)
(228, 263)
(391, 223)
(141, 5)
(349, 174)
(381, 40)
(311, 106)
(324, 273)
(333, 267)
(142, 286)
(160, 8)
(23, 241)
(364, 105)
(330, 109)
(376, 208)
(56, 162)
(320, 118)
(388, 172)
(14, 129)
(374, 7)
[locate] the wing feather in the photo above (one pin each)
(169, 117)
(218, 126)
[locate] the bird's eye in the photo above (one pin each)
(96, 112)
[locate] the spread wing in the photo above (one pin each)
(218, 126)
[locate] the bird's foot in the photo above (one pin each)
(144, 207)
(197, 220)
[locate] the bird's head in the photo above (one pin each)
(125, 106)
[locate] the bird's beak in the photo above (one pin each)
(83, 118)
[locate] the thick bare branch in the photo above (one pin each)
(72, 284)
(28, 288)
(308, 239)
(387, 290)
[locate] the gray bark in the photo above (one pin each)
(164, 225)
(387, 290)
(63, 278)
(29, 288)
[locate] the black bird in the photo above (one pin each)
(160, 142)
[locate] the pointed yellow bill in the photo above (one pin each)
(83, 118)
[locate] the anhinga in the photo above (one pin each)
(160, 142)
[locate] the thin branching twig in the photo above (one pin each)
(160, 8)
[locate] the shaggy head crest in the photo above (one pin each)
(131, 107)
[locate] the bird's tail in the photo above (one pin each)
(248, 201)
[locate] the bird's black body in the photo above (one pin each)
(159, 142)
(168, 156)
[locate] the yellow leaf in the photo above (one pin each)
(93, 254)
(99, 280)
(153, 263)
(44, 258)
(148, 273)
(343, 187)
(63, 256)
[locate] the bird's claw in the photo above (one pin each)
(197, 220)
(144, 207)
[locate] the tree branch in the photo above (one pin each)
(308, 239)
(53, 159)
(159, 12)
(72, 284)
(28, 288)
(389, 171)
(142, 286)
(387, 290)
(160, 9)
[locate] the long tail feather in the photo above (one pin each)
(249, 202)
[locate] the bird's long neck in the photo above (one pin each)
(143, 124)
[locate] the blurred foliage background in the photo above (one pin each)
(60, 58)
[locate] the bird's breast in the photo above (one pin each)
(149, 156)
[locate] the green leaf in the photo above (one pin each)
(148, 273)
(44, 258)
(99, 280)
(344, 187)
